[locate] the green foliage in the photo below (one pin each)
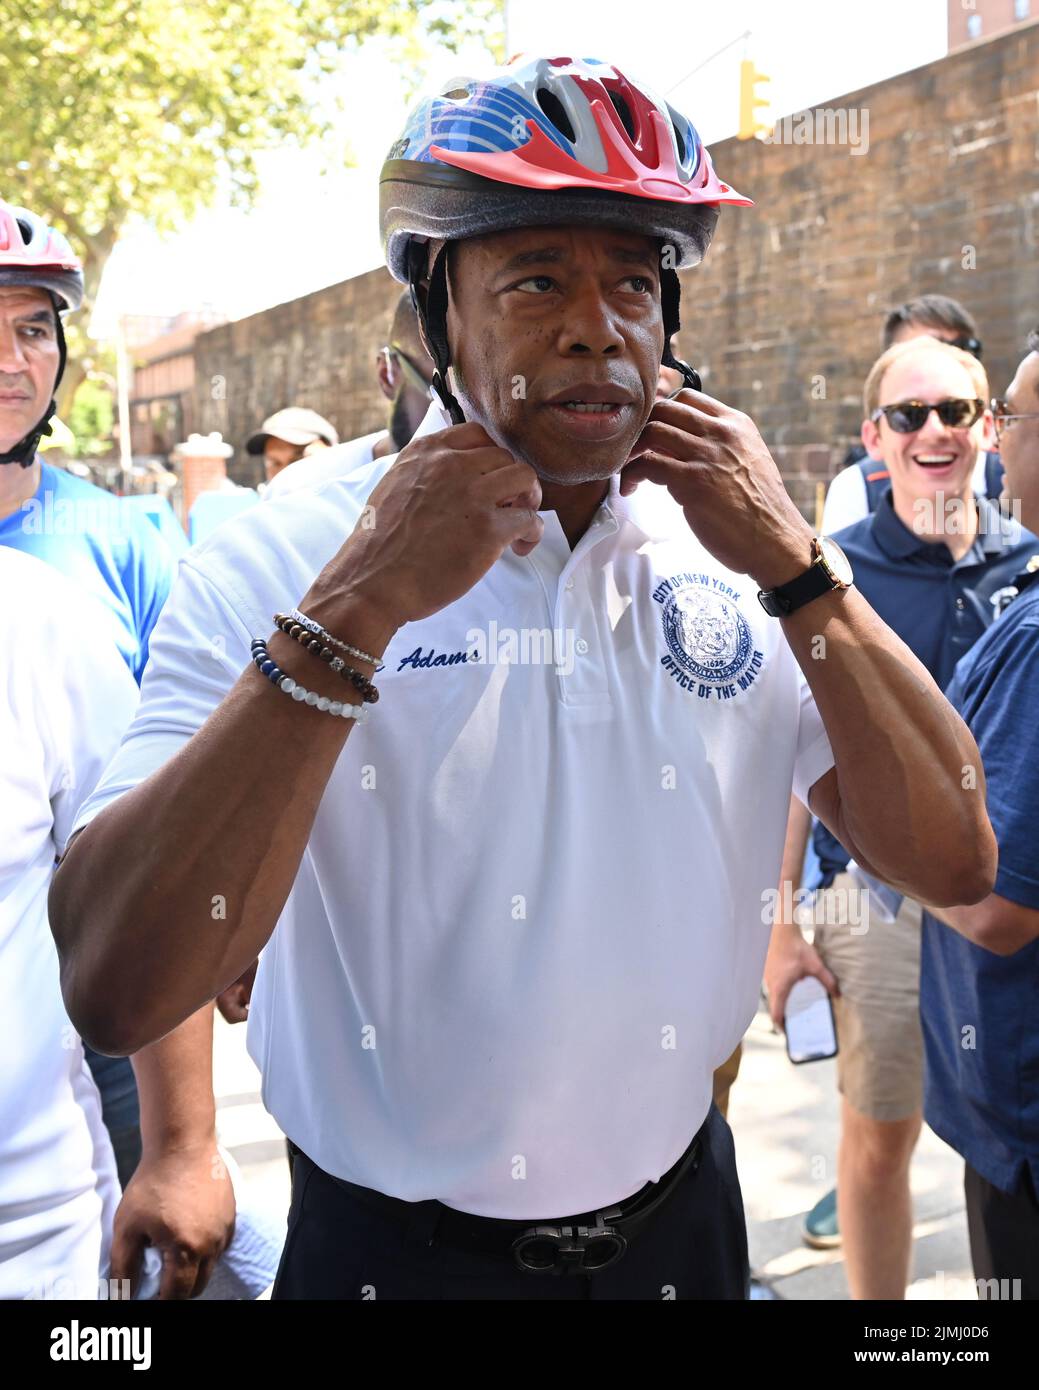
(118, 107)
(91, 418)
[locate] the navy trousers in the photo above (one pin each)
(339, 1247)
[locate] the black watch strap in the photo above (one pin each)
(787, 598)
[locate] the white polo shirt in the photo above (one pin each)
(529, 921)
(67, 698)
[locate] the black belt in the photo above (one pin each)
(583, 1244)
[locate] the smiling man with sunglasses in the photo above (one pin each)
(933, 561)
(857, 489)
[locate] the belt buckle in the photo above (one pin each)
(570, 1249)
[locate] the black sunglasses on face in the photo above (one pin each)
(967, 344)
(906, 417)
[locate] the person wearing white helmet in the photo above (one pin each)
(105, 549)
(516, 919)
(122, 570)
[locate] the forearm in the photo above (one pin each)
(785, 928)
(911, 805)
(172, 891)
(175, 1084)
(996, 923)
(798, 826)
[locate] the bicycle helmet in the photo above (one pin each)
(539, 142)
(33, 253)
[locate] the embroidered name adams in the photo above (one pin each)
(415, 659)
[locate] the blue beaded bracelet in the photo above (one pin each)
(341, 709)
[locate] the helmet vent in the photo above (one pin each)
(676, 127)
(556, 112)
(458, 94)
(623, 111)
(26, 230)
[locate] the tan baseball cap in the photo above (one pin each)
(296, 425)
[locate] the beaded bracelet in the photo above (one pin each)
(318, 631)
(266, 667)
(306, 639)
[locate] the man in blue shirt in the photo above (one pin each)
(980, 981)
(106, 549)
(936, 563)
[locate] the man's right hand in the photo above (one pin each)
(791, 958)
(435, 524)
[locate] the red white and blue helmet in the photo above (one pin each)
(543, 141)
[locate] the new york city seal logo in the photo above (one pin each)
(711, 650)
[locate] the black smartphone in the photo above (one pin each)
(809, 1023)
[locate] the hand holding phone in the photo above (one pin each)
(811, 1030)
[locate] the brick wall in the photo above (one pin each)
(199, 474)
(317, 351)
(783, 318)
(790, 300)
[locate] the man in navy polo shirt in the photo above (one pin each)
(935, 563)
(980, 981)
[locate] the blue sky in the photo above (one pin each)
(310, 228)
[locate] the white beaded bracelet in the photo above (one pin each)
(342, 709)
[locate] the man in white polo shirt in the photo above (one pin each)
(67, 700)
(520, 910)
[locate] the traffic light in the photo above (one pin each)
(749, 101)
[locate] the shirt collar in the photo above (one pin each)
(650, 508)
(892, 534)
(997, 533)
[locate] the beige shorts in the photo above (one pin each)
(880, 1044)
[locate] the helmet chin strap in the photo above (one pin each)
(431, 309)
(670, 298)
(25, 450)
(432, 315)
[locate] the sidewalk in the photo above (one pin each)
(785, 1122)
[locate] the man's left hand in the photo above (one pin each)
(714, 463)
(182, 1202)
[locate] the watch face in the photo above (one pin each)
(835, 560)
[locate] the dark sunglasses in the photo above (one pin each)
(906, 417)
(967, 344)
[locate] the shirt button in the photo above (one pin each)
(569, 583)
(960, 604)
(581, 646)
